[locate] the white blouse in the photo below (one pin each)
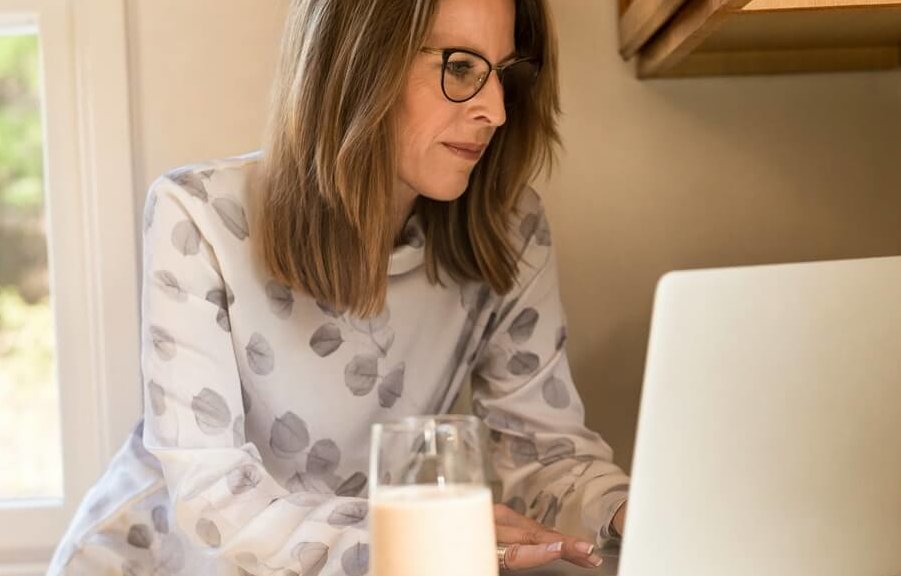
(252, 454)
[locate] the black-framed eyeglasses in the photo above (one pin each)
(464, 73)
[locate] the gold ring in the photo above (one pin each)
(502, 556)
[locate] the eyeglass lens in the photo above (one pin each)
(464, 75)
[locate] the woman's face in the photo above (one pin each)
(429, 125)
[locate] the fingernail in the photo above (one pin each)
(595, 559)
(584, 548)
(555, 547)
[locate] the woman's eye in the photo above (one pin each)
(459, 69)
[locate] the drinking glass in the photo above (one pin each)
(430, 506)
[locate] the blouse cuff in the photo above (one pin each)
(611, 504)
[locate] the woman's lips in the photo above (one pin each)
(467, 152)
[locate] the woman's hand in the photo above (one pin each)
(530, 544)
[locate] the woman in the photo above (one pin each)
(383, 249)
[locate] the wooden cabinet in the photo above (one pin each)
(722, 37)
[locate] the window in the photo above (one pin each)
(30, 459)
(69, 336)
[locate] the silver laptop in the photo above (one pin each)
(769, 437)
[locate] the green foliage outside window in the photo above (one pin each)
(29, 405)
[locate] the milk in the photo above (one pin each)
(425, 530)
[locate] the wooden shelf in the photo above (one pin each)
(723, 37)
(641, 19)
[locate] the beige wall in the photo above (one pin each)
(200, 73)
(655, 176)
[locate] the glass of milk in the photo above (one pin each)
(430, 505)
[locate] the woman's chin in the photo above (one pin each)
(447, 193)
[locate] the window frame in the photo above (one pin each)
(93, 261)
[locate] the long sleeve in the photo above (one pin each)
(224, 499)
(550, 466)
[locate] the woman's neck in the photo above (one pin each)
(404, 200)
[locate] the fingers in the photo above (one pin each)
(507, 516)
(536, 540)
(522, 556)
(513, 527)
(511, 534)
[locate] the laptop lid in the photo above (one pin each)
(769, 435)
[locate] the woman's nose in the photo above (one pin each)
(490, 100)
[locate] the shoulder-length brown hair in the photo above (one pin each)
(323, 213)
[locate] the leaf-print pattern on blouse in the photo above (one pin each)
(186, 238)
(232, 216)
(227, 499)
(260, 356)
(555, 393)
(258, 400)
(365, 370)
(549, 506)
(312, 557)
(353, 486)
(191, 182)
(348, 514)
(361, 374)
(534, 226)
(223, 298)
(313, 483)
(523, 390)
(157, 398)
(168, 283)
(140, 536)
(474, 299)
(289, 435)
(326, 340)
(324, 457)
(523, 325)
(561, 338)
(523, 450)
(383, 340)
(376, 328)
(523, 363)
(160, 517)
(163, 342)
(209, 532)
(355, 560)
(559, 449)
(281, 300)
(327, 310)
(392, 386)
(211, 412)
(243, 478)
